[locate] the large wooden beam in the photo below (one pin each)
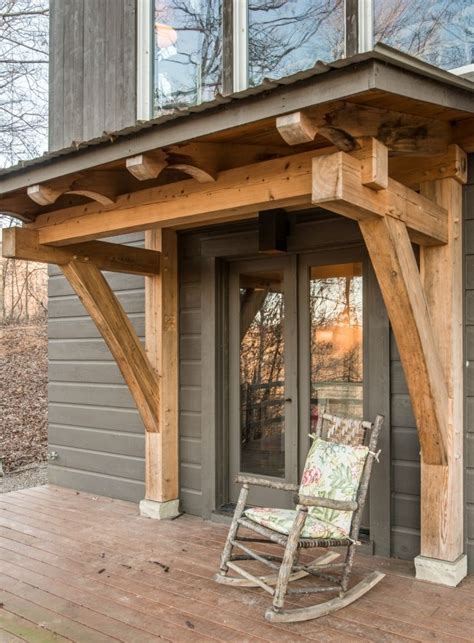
(337, 186)
(442, 486)
(344, 123)
(161, 340)
(412, 171)
(246, 190)
(397, 272)
(23, 243)
(113, 324)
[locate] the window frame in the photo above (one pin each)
(358, 38)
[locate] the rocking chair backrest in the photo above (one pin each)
(353, 432)
(342, 430)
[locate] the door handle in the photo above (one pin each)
(288, 399)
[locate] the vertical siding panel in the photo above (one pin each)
(56, 74)
(92, 68)
(73, 71)
(95, 31)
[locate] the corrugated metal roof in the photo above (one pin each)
(381, 52)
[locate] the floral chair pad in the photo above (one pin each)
(281, 520)
(332, 470)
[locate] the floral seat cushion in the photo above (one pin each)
(332, 470)
(281, 520)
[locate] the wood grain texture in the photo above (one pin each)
(412, 171)
(161, 340)
(337, 186)
(241, 191)
(22, 243)
(45, 542)
(441, 271)
(397, 272)
(119, 335)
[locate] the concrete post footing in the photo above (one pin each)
(159, 510)
(443, 572)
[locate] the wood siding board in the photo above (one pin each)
(93, 422)
(92, 69)
(405, 454)
(56, 74)
(100, 484)
(468, 215)
(95, 33)
(377, 401)
(73, 71)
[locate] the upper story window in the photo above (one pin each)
(196, 49)
(286, 36)
(187, 52)
(438, 31)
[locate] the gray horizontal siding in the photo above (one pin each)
(405, 454)
(92, 68)
(94, 426)
(190, 375)
(469, 356)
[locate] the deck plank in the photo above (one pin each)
(80, 567)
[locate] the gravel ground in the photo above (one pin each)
(31, 476)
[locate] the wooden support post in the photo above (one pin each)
(397, 273)
(442, 486)
(118, 333)
(161, 339)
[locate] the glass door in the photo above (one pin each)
(331, 356)
(263, 375)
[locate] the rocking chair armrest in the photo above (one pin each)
(263, 482)
(327, 503)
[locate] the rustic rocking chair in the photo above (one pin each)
(328, 514)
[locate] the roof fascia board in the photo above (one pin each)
(334, 85)
(406, 83)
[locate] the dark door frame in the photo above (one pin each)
(216, 252)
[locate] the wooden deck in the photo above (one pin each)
(77, 567)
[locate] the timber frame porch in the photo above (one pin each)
(80, 567)
(382, 144)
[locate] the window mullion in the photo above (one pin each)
(144, 59)
(240, 44)
(366, 25)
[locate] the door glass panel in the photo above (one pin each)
(262, 374)
(336, 340)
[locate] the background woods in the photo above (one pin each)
(23, 285)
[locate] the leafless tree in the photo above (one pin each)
(23, 79)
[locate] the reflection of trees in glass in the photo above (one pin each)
(336, 343)
(286, 36)
(439, 31)
(188, 52)
(262, 382)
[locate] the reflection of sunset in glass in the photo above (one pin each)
(165, 35)
(336, 338)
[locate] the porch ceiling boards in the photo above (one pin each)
(80, 567)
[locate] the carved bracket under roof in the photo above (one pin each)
(343, 124)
